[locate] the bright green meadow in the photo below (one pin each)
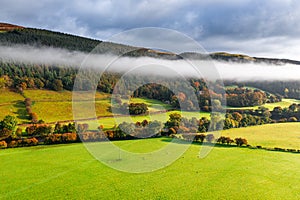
(70, 172)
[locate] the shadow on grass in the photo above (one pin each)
(179, 141)
(275, 149)
(21, 111)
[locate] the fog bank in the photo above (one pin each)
(147, 65)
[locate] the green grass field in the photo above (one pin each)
(285, 135)
(54, 106)
(49, 95)
(109, 122)
(70, 172)
(11, 104)
(58, 111)
(7, 96)
(284, 103)
(153, 105)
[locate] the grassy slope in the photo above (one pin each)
(11, 104)
(270, 106)
(284, 103)
(70, 172)
(9, 96)
(52, 106)
(109, 122)
(285, 135)
(49, 95)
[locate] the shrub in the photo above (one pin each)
(3, 144)
(224, 140)
(19, 131)
(13, 144)
(292, 150)
(241, 141)
(53, 139)
(34, 117)
(282, 120)
(38, 130)
(137, 108)
(188, 137)
(209, 138)
(69, 137)
(28, 102)
(28, 110)
(28, 142)
(200, 137)
(89, 136)
(172, 131)
(183, 129)
(292, 119)
(81, 128)
(33, 141)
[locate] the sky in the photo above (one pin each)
(268, 28)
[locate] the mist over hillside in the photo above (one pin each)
(12, 35)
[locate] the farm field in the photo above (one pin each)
(283, 135)
(70, 172)
(58, 111)
(10, 104)
(109, 122)
(54, 106)
(50, 95)
(8, 96)
(284, 103)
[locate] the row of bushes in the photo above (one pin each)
(276, 149)
(58, 138)
(228, 141)
(25, 142)
(86, 136)
(210, 138)
(32, 115)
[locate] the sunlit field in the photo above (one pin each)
(69, 171)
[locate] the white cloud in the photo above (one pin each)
(147, 66)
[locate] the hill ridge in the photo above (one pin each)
(9, 27)
(14, 34)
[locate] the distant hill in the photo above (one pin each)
(18, 35)
(238, 58)
(9, 27)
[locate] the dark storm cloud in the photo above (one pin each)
(234, 25)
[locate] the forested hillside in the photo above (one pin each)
(38, 38)
(20, 76)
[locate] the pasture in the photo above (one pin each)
(52, 106)
(70, 172)
(283, 135)
(284, 103)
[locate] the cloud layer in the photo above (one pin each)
(150, 66)
(259, 28)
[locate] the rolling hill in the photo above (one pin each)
(18, 35)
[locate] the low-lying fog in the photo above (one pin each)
(194, 68)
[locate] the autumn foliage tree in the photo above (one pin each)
(210, 138)
(240, 141)
(34, 117)
(7, 126)
(137, 108)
